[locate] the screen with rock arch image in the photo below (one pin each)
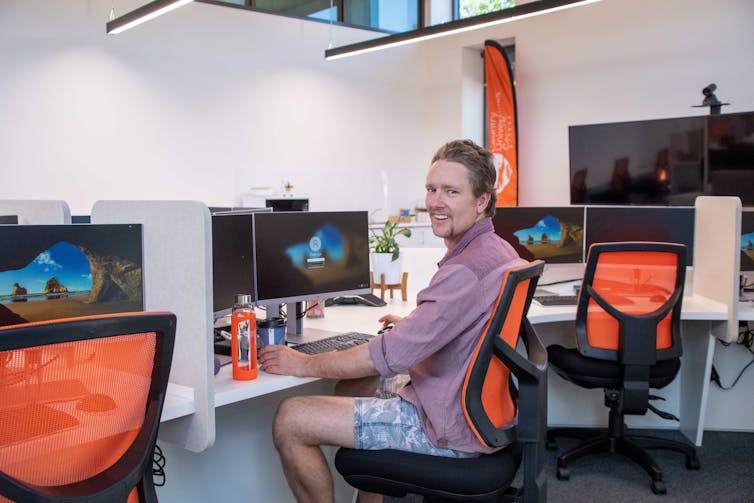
(554, 234)
(63, 271)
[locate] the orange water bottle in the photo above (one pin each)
(243, 330)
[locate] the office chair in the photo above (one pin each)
(629, 340)
(499, 415)
(80, 406)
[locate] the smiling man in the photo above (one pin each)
(419, 365)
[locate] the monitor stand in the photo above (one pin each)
(365, 299)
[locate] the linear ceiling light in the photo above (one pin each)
(523, 11)
(143, 14)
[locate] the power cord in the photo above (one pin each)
(746, 339)
(158, 466)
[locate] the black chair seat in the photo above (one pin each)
(397, 473)
(593, 373)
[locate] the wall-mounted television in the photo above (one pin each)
(653, 162)
(730, 151)
(665, 162)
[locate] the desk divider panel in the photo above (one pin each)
(717, 241)
(178, 278)
(41, 212)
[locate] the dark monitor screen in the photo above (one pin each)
(8, 219)
(553, 234)
(287, 204)
(81, 219)
(63, 271)
(652, 162)
(730, 144)
(606, 224)
(232, 259)
(747, 240)
(301, 255)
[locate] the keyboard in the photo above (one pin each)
(335, 343)
(557, 300)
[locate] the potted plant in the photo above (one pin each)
(385, 254)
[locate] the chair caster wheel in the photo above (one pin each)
(563, 474)
(551, 445)
(658, 487)
(692, 463)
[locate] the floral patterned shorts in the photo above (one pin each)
(386, 421)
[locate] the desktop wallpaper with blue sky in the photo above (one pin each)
(63, 271)
(62, 260)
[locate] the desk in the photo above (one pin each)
(243, 463)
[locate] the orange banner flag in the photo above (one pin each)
(501, 122)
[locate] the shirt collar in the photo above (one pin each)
(479, 227)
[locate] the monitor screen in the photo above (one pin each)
(554, 234)
(287, 204)
(232, 259)
(730, 144)
(63, 271)
(303, 255)
(605, 224)
(652, 162)
(8, 219)
(747, 240)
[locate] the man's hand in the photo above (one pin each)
(280, 359)
(389, 319)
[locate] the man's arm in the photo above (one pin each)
(348, 364)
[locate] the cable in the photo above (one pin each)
(746, 339)
(560, 282)
(158, 466)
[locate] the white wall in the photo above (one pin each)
(201, 103)
(207, 101)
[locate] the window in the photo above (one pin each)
(470, 8)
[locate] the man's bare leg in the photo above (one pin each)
(302, 424)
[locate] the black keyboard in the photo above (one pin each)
(335, 343)
(557, 300)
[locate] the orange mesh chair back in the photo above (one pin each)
(80, 406)
(632, 288)
(489, 399)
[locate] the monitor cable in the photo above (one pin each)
(746, 339)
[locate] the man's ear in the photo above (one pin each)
(483, 201)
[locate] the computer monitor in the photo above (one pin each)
(304, 255)
(287, 204)
(747, 240)
(554, 234)
(63, 271)
(670, 224)
(232, 259)
(8, 219)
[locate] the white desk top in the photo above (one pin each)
(179, 402)
(358, 318)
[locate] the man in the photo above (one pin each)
(433, 344)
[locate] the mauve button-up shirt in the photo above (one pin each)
(436, 341)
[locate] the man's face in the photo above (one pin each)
(451, 203)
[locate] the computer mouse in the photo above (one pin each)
(96, 402)
(385, 328)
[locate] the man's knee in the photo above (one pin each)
(284, 426)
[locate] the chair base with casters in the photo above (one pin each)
(616, 438)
